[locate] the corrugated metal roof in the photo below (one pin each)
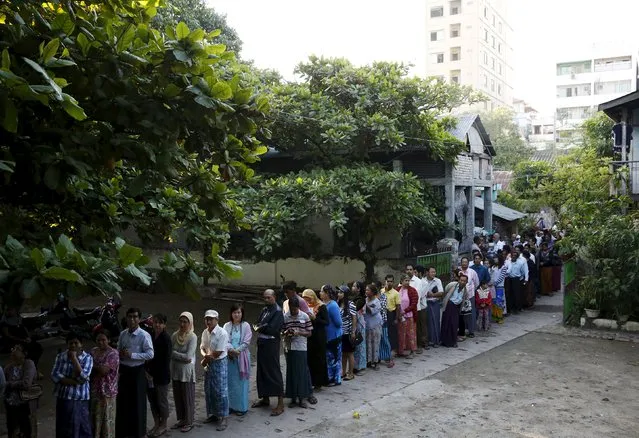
(548, 155)
(500, 210)
(464, 123)
(503, 177)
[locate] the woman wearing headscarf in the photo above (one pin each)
(239, 370)
(184, 342)
(328, 295)
(316, 350)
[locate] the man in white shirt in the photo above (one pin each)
(136, 347)
(434, 294)
(422, 312)
(499, 244)
(214, 351)
(473, 283)
(414, 279)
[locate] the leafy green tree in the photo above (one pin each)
(529, 177)
(510, 147)
(340, 113)
(197, 14)
(366, 206)
(597, 132)
(112, 127)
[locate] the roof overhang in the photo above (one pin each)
(614, 108)
(501, 211)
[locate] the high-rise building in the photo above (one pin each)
(468, 42)
(587, 77)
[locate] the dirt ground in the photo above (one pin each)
(539, 385)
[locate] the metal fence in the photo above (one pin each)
(442, 261)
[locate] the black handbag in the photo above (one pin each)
(359, 338)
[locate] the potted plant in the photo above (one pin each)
(590, 297)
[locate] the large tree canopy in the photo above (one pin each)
(366, 206)
(197, 14)
(113, 126)
(510, 147)
(339, 113)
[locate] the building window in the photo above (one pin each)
(613, 87)
(486, 81)
(613, 64)
(455, 53)
(437, 58)
(500, 68)
(500, 28)
(485, 12)
(485, 58)
(499, 47)
(437, 11)
(454, 76)
(493, 42)
(492, 85)
(486, 35)
(499, 89)
(573, 68)
(437, 35)
(537, 129)
(455, 30)
(455, 7)
(493, 63)
(493, 20)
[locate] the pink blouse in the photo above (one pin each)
(107, 385)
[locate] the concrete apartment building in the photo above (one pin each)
(536, 128)
(587, 78)
(468, 42)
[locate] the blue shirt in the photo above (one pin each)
(334, 327)
(519, 269)
(139, 343)
(482, 273)
(63, 367)
(457, 296)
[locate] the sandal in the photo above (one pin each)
(348, 377)
(259, 404)
(177, 425)
(312, 400)
(186, 428)
(222, 426)
(277, 411)
(390, 363)
(302, 405)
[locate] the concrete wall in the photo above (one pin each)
(313, 273)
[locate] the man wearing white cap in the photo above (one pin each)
(215, 362)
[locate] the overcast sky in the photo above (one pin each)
(280, 33)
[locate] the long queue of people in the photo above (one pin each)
(329, 337)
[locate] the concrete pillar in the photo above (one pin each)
(449, 199)
(488, 208)
(470, 215)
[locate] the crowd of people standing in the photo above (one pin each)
(329, 336)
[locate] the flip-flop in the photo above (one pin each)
(302, 405)
(312, 400)
(186, 429)
(277, 412)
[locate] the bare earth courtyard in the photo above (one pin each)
(527, 378)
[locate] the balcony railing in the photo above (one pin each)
(625, 178)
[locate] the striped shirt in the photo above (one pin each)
(63, 367)
(347, 318)
(300, 323)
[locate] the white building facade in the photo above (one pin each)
(467, 42)
(586, 79)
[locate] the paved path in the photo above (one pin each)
(338, 403)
